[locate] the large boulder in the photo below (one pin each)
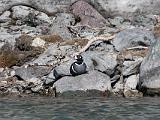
(95, 60)
(29, 16)
(133, 37)
(150, 68)
(88, 15)
(93, 80)
(30, 72)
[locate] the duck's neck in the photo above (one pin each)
(79, 62)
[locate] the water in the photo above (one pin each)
(80, 109)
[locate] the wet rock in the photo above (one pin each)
(149, 69)
(88, 15)
(30, 72)
(94, 80)
(133, 93)
(87, 93)
(133, 37)
(61, 23)
(131, 67)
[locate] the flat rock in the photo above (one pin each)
(94, 80)
(27, 73)
(133, 37)
(95, 60)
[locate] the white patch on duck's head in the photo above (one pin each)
(78, 57)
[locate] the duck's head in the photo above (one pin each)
(78, 58)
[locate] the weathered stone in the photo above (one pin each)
(117, 21)
(37, 88)
(61, 23)
(133, 93)
(133, 37)
(8, 38)
(30, 72)
(5, 17)
(38, 42)
(29, 16)
(126, 8)
(131, 82)
(106, 7)
(88, 15)
(101, 60)
(53, 55)
(150, 68)
(131, 67)
(95, 60)
(141, 20)
(94, 80)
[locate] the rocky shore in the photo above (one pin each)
(120, 47)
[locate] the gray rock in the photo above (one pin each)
(101, 60)
(6, 37)
(131, 82)
(47, 6)
(147, 21)
(126, 8)
(133, 37)
(95, 60)
(88, 15)
(131, 67)
(27, 73)
(53, 55)
(63, 69)
(106, 7)
(130, 87)
(37, 88)
(5, 17)
(94, 80)
(29, 16)
(117, 21)
(150, 68)
(61, 23)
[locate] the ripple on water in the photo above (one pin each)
(80, 109)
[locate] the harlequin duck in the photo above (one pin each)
(78, 67)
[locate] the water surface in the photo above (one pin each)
(39, 108)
